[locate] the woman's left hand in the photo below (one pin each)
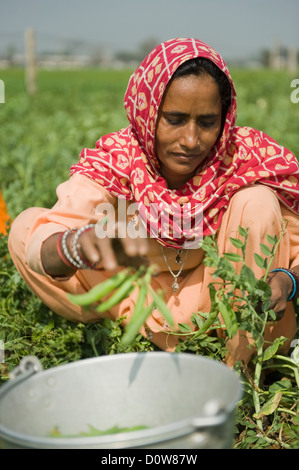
(281, 286)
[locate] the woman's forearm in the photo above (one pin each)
(52, 262)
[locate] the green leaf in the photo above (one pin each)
(265, 249)
(272, 314)
(233, 257)
(272, 240)
(273, 348)
(247, 276)
(269, 407)
(295, 354)
(236, 242)
(263, 289)
(199, 318)
(242, 231)
(261, 262)
(184, 328)
(281, 386)
(229, 318)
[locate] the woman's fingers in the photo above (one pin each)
(109, 260)
(135, 246)
(280, 291)
(98, 250)
(133, 237)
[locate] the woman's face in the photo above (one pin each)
(188, 125)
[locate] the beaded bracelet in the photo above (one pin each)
(65, 250)
(60, 253)
(295, 280)
(82, 262)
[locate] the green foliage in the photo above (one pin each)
(41, 137)
(267, 415)
(28, 327)
(264, 103)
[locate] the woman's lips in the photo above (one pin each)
(186, 157)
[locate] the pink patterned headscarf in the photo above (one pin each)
(125, 162)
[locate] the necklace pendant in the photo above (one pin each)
(178, 258)
(175, 286)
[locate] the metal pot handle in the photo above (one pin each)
(28, 366)
(215, 415)
(209, 421)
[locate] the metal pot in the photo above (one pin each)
(185, 401)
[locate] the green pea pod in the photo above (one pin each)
(136, 323)
(140, 301)
(100, 290)
(140, 313)
(209, 322)
(122, 292)
(161, 305)
(229, 318)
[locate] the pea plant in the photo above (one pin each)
(240, 301)
(112, 291)
(268, 414)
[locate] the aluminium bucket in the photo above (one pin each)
(181, 401)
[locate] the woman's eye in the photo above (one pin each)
(207, 124)
(181, 121)
(174, 122)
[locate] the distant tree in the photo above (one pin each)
(10, 54)
(127, 56)
(143, 49)
(147, 46)
(264, 57)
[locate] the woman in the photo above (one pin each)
(181, 155)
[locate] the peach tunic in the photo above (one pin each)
(255, 207)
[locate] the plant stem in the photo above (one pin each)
(258, 371)
(274, 251)
(255, 393)
(285, 410)
(273, 441)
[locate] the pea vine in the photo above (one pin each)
(239, 301)
(243, 302)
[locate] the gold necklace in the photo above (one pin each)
(175, 284)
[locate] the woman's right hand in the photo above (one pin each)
(95, 250)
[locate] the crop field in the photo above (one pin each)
(40, 137)
(43, 135)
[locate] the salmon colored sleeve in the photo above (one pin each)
(292, 221)
(78, 201)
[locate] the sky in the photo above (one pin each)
(235, 28)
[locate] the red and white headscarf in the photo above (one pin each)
(125, 162)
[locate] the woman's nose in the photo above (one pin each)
(190, 136)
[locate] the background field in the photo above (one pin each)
(40, 137)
